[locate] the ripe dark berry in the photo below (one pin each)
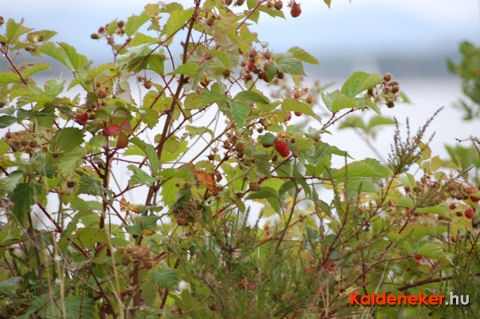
(469, 213)
(390, 104)
(94, 36)
(247, 77)
(211, 21)
(120, 24)
(81, 118)
(2, 21)
(278, 5)
(70, 184)
(102, 93)
(387, 77)
(101, 30)
(147, 84)
(295, 10)
(298, 113)
(282, 147)
(228, 2)
(111, 130)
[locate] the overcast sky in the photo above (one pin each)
(357, 27)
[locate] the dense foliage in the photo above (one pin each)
(189, 178)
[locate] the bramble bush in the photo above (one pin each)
(189, 178)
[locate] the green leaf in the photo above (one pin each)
(194, 131)
(68, 139)
(353, 122)
(337, 101)
(141, 39)
(441, 209)
(9, 183)
(290, 65)
(360, 169)
(303, 55)
(172, 148)
(155, 63)
(267, 139)
(8, 77)
(6, 121)
(359, 82)
(269, 194)
(23, 199)
(140, 177)
(15, 30)
(188, 69)
(77, 61)
(41, 35)
(33, 69)
(239, 113)
(205, 98)
(134, 23)
(55, 52)
(292, 105)
(69, 161)
(251, 97)
(432, 249)
(79, 307)
(177, 20)
(150, 152)
(65, 54)
(380, 121)
(90, 185)
(164, 277)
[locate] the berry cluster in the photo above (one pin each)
(388, 91)
(428, 192)
(237, 2)
(259, 64)
(184, 212)
(109, 32)
(140, 256)
(147, 83)
(234, 146)
(22, 141)
(295, 8)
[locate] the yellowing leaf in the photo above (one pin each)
(207, 180)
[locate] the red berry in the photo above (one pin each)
(282, 147)
(81, 118)
(111, 130)
(469, 213)
(418, 257)
(295, 10)
(122, 140)
(475, 198)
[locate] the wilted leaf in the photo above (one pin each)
(207, 180)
